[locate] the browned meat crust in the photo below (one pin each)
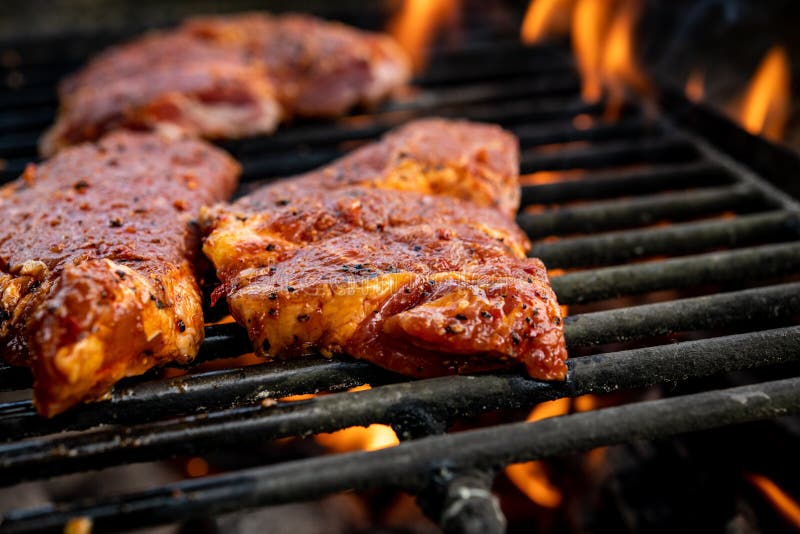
(421, 284)
(96, 262)
(466, 160)
(318, 68)
(172, 83)
(227, 77)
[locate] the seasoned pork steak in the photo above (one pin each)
(378, 257)
(97, 249)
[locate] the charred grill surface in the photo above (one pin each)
(737, 232)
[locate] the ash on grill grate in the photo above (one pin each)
(682, 263)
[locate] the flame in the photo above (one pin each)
(619, 69)
(695, 86)
(583, 121)
(79, 525)
(197, 467)
(594, 458)
(589, 25)
(765, 107)
(549, 177)
(530, 477)
(359, 438)
(783, 502)
(602, 41)
(298, 397)
(586, 403)
(545, 18)
(418, 22)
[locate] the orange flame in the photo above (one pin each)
(602, 41)
(595, 458)
(530, 477)
(619, 70)
(359, 438)
(418, 22)
(765, 107)
(695, 86)
(545, 18)
(785, 504)
(589, 25)
(197, 467)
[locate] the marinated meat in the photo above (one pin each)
(170, 83)
(408, 277)
(318, 68)
(227, 77)
(466, 160)
(97, 250)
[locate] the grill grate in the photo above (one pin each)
(727, 228)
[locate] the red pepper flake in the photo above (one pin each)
(29, 175)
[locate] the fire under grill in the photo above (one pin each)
(722, 247)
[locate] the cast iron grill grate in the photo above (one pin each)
(656, 208)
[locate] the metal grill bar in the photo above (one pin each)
(444, 397)
(608, 154)
(539, 110)
(150, 400)
(409, 464)
(759, 306)
(488, 92)
(350, 129)
(676, 239)
(563, 132)
(640, 211)
(245, 386)
(509, 112)
(755, 263)
(621, 183)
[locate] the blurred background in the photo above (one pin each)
(741, 56)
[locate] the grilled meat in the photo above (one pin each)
(466, 160)
(172, 83)
(318, 68)
(227, 77)
(96, 262)
(422, 284)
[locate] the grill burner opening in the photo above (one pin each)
(678, 260)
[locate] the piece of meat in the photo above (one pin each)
(171, 83)
(418, 283)
(227, 77)
(97, 250)
(319, 68)
(466, 160)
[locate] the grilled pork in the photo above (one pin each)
(227, 77)
(97, 247)
(377, 257)
(167, 82)
(318, 68)
(461, 159)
